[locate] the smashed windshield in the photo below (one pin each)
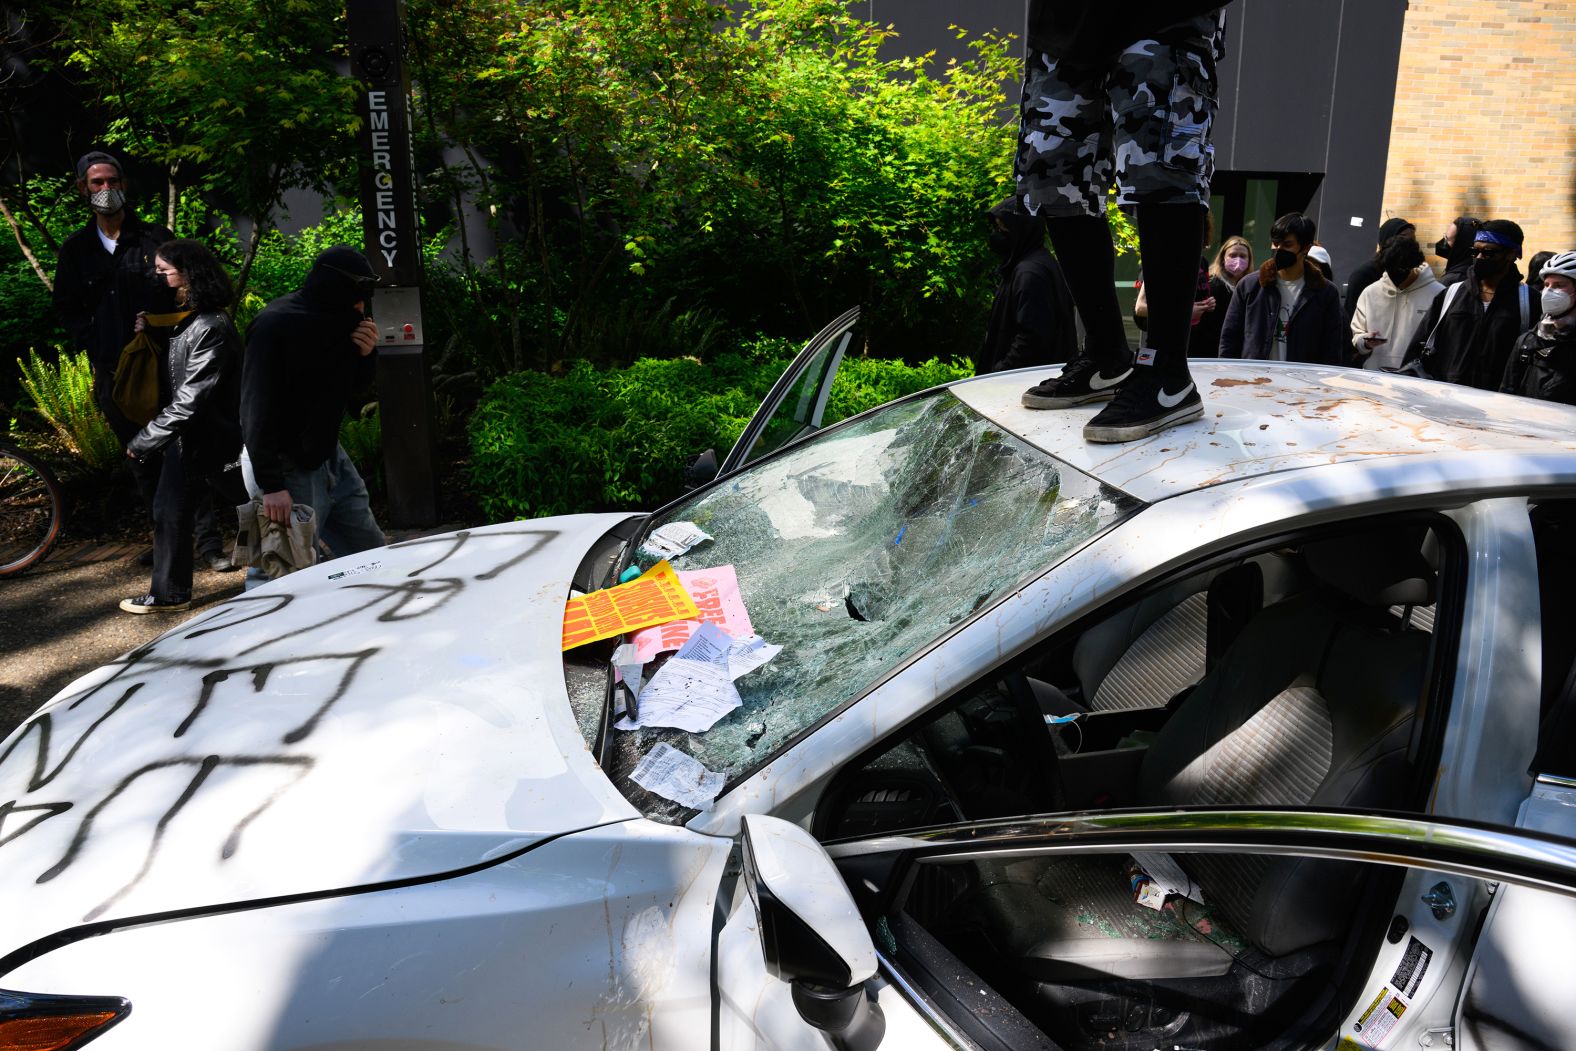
(856, 548)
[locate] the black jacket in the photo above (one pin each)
(1472, 343)
(204, 369)
(1096, 30)
(301, 371)
(98, 295)
(1543, 365)
(1031, 318)
(1316, 332)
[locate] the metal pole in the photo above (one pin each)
(392, 243)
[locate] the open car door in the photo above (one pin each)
(886, 942)
(796, 405)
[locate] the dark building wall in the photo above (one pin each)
(1307, 91)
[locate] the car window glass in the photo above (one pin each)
(1247, 681)
(858, 547)
(803, 408)
(1554, 533)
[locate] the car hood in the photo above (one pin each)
(393, 715)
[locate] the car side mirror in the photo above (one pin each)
(700, 469)
(811, 932)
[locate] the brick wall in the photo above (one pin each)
(1483, 118)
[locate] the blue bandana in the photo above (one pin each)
(1497, 239)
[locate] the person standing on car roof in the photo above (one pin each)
(1289, 311)
(307, 354)
(1543, 361)
(1031, 318)
(1467, 335)
(1124, 93)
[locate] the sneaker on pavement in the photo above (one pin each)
(1144, 407)
(1080, 383)
(149, 604)
(219, 562)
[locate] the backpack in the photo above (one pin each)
(136, 389)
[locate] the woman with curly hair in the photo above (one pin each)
(197, 432)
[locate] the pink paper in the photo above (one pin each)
(716, 595)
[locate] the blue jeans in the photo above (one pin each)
(338, 499)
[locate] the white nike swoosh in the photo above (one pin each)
(1096, 383)
(1171, 401)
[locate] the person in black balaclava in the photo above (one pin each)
(307, 354)
(1372, 270)
(1031, 318)
(1455, 248)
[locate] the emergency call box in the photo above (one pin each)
(397, 312)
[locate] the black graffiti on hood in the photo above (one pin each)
(409, 600)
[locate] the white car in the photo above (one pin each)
(1280, 674)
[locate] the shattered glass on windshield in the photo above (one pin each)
(855, 549)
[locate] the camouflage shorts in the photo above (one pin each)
(1143, 120)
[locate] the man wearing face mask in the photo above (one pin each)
(1372, 270)
(1389, 311)
(1031, 318)
(1543, 361)
(1288, 311)
(1467, 335)
(105, 277)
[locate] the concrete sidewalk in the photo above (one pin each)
(62, 618)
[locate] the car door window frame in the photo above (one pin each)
(838, 332)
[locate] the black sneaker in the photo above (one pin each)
(1079, 384)
(149, 604)
(1144, 407)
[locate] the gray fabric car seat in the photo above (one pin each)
(1312, 705)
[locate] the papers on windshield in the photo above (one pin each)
(654, 597)
(671, 774)
(717, 601)
(695, 687)
(673, 539)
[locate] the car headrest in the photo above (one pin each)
(1381, 569)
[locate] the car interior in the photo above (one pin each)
(1306, 671)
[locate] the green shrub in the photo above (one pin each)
(63, 395)
(362, 438)
(616, 439)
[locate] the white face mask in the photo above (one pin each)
(1557, 302)
(108, 201)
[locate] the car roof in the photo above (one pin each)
(1264, 417)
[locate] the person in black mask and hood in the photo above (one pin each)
(1469, 331)
(1455, 248)
(1372, 270)
(307, 354)
(1031, 318)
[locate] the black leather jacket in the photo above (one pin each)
(204, 408)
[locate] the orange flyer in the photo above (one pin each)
(654, 597)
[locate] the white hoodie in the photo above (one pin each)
(1394, 313)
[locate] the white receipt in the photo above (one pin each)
(673, 539)
(711, 645)
(1166, 874)
(673, 775)
(695, 687)
(745, 655)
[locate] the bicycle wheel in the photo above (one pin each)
(30, 511)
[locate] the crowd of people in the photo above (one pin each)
(226, 424)
(1478, 321)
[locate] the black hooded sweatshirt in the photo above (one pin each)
(301, 370)
(1092, 31)
(1458, 264)
(1031, 318)
(1369, 272)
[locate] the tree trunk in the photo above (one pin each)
(260, 222)
(21, 243)
(174, 195)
